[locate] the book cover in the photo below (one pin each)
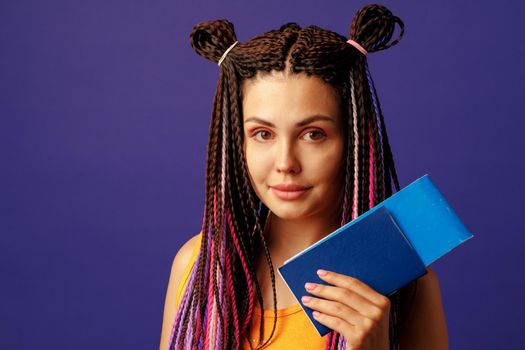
(373, 250)
(387, 247)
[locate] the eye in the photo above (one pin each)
(318, 132)
(260, 131)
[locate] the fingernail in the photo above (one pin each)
(316, 314)
(305, 299)
(309, 285)
(322, 272)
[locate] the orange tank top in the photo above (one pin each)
(293, 329)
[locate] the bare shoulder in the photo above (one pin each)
(425, 326)
(428, 287)
(430, 280)
(178, 266)
(182, 259)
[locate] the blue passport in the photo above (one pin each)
(387, 247)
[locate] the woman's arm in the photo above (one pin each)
(425, 326)
(180, 262)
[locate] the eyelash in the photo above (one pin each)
(310, 131)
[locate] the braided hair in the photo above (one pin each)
(217, 304)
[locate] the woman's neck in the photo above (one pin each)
(285, 238)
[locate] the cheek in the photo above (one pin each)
(323, 170)
(325, 166)
(256, 163)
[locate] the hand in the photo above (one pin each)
(352, 308)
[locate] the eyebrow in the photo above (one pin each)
(309, 120)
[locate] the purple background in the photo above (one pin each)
(104, 113)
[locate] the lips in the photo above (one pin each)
(289, 187)
(289, 191)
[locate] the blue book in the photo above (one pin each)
(387, 247)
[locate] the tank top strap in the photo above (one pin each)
(188, 268)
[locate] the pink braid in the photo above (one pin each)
(333, 341)
(356, 148)
(210, 305)
(214, 206)
(197, 327)
(246, 272)
(328, 342)
(222, 297)
(231, 293)
(207, 268)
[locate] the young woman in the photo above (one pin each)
(297, 148)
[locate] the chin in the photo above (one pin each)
(287, 210)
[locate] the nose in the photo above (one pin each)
(286, 158)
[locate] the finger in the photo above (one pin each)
(335, 323)
(354, 284)
(334, 308)
(347, 297)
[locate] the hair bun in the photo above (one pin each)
(210, 39)
(373, 27)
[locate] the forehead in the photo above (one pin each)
(292, 97)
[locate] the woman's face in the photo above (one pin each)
(293, 135)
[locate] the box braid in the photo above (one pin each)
(217, 304)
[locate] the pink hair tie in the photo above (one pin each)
(357, 46)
